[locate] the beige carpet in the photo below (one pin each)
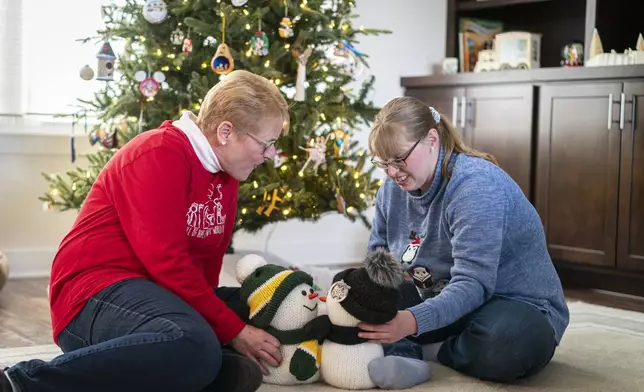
(603, 350)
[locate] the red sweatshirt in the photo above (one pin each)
(154, 212)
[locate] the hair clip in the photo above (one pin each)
(435, 114)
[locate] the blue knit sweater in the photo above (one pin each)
(466, 239)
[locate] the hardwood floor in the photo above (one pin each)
(24, 313)
(24, 310)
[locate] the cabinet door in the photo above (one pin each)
(499, 122)
(630, 230)
(446, 100)
(578, 170)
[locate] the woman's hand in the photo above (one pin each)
(258, 344)
(403, 325)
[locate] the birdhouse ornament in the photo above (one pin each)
(106, 59)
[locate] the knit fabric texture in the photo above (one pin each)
(306, 360)
(366, 300)
(469, 237)
(265, 289)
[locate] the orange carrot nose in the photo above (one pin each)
(323, 299)
(313, 295)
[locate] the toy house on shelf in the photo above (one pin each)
(511, 50)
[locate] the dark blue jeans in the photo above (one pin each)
(503, 340)
(132, 336)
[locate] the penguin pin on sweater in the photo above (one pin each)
(367, 294)
(283, 303)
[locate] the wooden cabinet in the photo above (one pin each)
(630, 229)
(578, 170)
(445, 100)
(590, 173)
(573, 139)
(494, 119)
(498, 120)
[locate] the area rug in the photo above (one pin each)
(602, 350)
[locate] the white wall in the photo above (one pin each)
(30, 236)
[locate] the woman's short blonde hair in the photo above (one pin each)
(245, 99)
(408, 119)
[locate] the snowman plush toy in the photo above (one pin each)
(283, 303)
(367, 294)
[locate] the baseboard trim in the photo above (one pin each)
(36, 263)
(29, 263)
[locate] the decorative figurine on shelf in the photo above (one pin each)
(573, 55)
(487, 61)
(518, 50)
(597, 57)
(106, 60)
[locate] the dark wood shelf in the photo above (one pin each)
(540, 75)
(481, 4)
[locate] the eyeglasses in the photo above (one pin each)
(397, 163)
(266, 144)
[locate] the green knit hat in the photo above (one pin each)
(265, 289)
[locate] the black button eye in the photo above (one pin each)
(311, 290)
(303, 292)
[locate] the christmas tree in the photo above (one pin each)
(175, 51)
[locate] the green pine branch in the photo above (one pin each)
(341, 185)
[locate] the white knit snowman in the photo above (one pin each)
(284, 303)
(367, 294)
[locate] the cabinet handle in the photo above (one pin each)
(455, 110)
(610, 111)
(463, 104)
(634, 103)
(622, 103)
